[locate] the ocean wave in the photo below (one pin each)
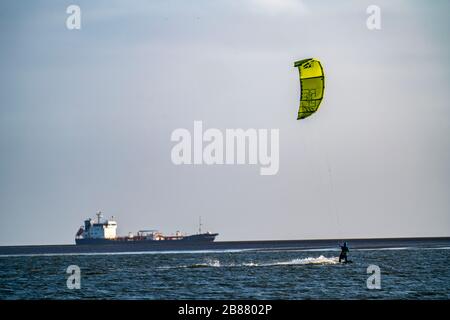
(213, 263)
(310, 260)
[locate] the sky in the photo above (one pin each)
(86, 118)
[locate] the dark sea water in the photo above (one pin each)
(406, 273)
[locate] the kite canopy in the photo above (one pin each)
(312, 84)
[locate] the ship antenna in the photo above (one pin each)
(200, 225)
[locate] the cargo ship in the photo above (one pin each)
(103, 232)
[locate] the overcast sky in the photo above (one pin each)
(86, 117)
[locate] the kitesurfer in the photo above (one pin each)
(344, 251)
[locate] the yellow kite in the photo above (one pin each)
(312, 85)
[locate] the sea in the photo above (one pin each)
(375, 273)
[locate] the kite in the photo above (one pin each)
(312, 85)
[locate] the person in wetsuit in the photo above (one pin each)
(344, 251)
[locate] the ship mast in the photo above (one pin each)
(200, 225)
(99, 215)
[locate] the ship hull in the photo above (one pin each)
(197, 238)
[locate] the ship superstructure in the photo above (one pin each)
(98, 230)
